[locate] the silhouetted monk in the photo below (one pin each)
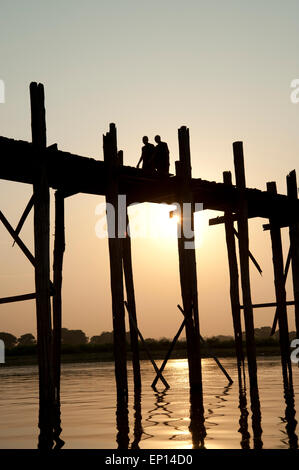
(161, 156)
(147, 155)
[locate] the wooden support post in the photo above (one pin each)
(233, 276)
(280, 291)
(42, 267)
(285, 275)
(128, 273)
(187, 261)
(294, 245)
(59, 247)
(242, 218)
(116, 266)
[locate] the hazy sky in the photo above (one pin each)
(223, 68)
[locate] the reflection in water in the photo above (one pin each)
(197, 427)
(59, 443)
(256, 417)
(122, 423)
(243, 412)
(50, 426)
(160, 408)
(138, 430)
(89, 412)
(290, 411)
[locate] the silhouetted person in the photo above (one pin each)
(147, 155)
(161, 156)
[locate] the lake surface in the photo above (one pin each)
(88, 407)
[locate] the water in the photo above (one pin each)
(160, 420)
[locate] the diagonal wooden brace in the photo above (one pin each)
(146, 348)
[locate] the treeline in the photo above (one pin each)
(77, 341)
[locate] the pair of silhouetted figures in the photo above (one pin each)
(155, 158)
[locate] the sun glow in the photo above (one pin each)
(162, 221)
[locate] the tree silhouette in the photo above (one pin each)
(9, 340)
(26, 340)
(73, 337)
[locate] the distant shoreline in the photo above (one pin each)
(106, 356)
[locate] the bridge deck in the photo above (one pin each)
(76, 174)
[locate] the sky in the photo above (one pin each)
(224, 69)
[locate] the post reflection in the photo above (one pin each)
(290, 411)
(122, 423)
(243, 421)
(138, 429)
(197, 426)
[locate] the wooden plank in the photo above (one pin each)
(292, 190)
(42, 268)
(116, 266)
(280, 291)
(163, 380)
(233, 276)
(268, 304)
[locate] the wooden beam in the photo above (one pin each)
(268, 304)
(221, 220)
(42, 268)
(24, 216)
(17, 298)
(17, 239)
(292, 190)
(209, 350)
(168, 354)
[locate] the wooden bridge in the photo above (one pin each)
(48, 167)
